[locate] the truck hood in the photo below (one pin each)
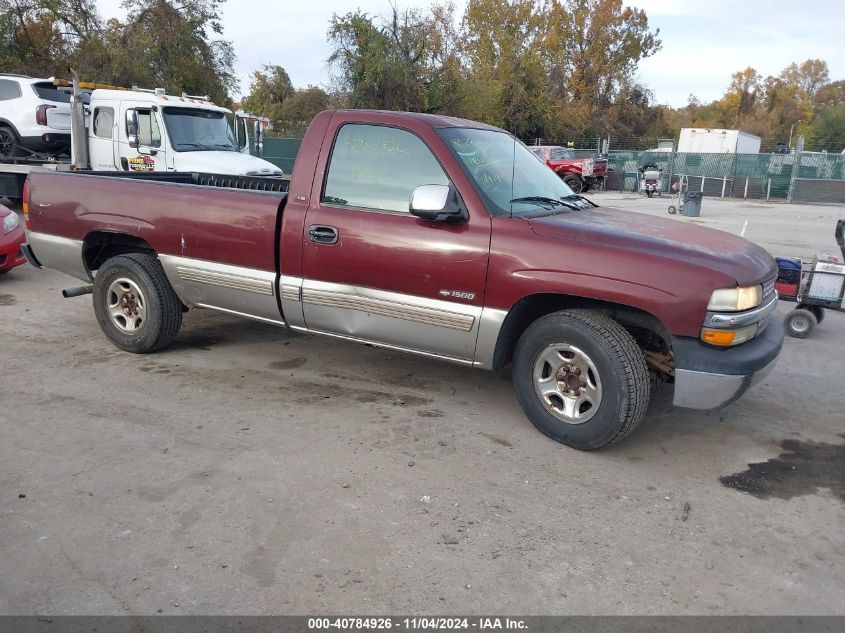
(233, 163)
(662, 237)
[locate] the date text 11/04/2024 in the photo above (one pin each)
(416, 624)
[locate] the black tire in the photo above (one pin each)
(800, 323)
(574, 183)
(649, 193)
(161, 308)
(8, 142)
(817, 311)
(672, 210)
(622, 376)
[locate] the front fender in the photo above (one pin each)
(642, 296)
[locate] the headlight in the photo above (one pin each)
(11, 222)
(736, 299)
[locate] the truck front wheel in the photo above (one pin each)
(135, 305)
(581, 378)
(574, 183)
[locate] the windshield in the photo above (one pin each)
(561, 153)
(193, 130)
(510, 178)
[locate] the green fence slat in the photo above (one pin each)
(281, 152)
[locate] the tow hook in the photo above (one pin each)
(77, 292)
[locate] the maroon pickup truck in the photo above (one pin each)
(433, 235)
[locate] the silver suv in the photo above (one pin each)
(34, 117)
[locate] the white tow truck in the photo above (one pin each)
(138, 130)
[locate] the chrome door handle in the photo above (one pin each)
(322, 234)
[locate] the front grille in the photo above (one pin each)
(769, 287)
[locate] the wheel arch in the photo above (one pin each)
(99, 246)
(648, 330)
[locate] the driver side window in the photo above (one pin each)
(149, 134)
(377, 167)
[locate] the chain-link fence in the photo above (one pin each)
(798, 177)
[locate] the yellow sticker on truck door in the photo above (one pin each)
(142, 163)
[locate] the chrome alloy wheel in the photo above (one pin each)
(126, 305)
(567, 382)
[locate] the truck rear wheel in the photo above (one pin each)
(581, 378)
(135, 305)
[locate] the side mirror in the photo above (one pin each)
(439, 203)
(132, 128)
(241, 133)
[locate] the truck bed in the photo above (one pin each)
(225, 219)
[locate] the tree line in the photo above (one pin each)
(552, 69)
(171, 44)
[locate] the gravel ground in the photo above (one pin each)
(246, 470)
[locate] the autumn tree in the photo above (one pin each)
(41, 37)
(270, 87)
(298, 110)
(809, 76)
(593, 48)
(173, 44)
(501, 42)
(405, 62)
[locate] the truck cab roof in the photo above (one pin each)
(430, 120)
(161, 100)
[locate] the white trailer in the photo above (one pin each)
(717, 141)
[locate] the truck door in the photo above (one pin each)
(141, 144)
(371, 270)
(102, 141)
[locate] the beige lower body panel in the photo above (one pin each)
(246, 292)
(431, 326)
(58, 253)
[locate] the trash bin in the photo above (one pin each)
(692, 204)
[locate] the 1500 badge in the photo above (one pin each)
(458, 294)
(141, 163)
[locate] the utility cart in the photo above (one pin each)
(689, 202)
(815, 285)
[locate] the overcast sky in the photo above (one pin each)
(703, 41)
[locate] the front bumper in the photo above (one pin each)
(711, 378)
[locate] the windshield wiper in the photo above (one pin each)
(197, 145)
(576, 196)
(545, 199)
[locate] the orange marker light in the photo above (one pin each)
(717, 337)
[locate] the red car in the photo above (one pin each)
(580, 174)
(11, 238)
